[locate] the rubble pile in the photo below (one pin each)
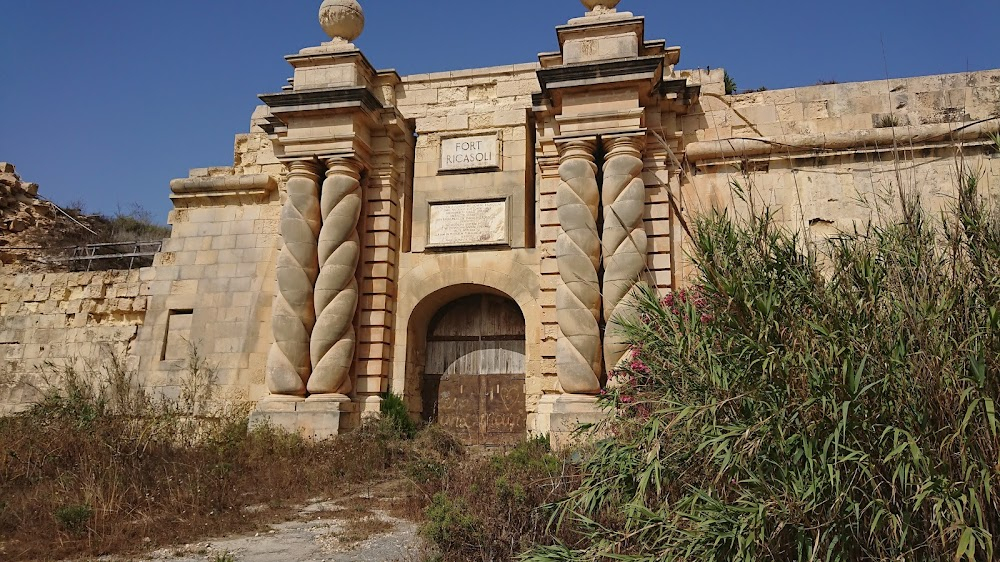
(20, 207)
(33, 231)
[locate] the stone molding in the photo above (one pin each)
(623, 239)
(578, 254)
(336, 296)
(805, 146)
(222, 189)
(293, 317)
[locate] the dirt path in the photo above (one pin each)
(366, 528)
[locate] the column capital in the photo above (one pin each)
(576, 148)
(344, 165)
(303, 169)
(620, 144)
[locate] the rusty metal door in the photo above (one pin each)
(474, 381)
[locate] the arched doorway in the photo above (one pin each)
(473, 381)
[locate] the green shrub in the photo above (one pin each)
(730, 84)
(782, 410)
(74, 518)
(449, 524)
(395, 413)
(492, 507)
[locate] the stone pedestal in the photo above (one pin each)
(314, 418)
(559, 416)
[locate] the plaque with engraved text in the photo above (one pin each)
(481, 223)
(470, 153)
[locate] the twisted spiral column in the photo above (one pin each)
(623, 239)
(293, 316)
(337, 292)
(578, 254)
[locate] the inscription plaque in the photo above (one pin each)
(468, 224)
(470, 153)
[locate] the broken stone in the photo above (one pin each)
(6, 168)
(30, 188)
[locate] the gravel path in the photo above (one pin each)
(346, 531)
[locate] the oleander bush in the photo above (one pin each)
(780, 409)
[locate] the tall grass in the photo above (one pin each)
(783, 410)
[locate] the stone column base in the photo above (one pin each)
(316, 418)
(559, 416)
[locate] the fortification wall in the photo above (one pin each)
(826, 159)
(56, 321)
(212, 286)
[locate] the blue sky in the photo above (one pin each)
(106, 101)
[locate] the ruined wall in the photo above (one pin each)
(50, 322)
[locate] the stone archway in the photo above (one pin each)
(473, 379)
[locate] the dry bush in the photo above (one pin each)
(101, 468)
(491, 507)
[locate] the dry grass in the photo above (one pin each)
(86, 474)
(101, 469)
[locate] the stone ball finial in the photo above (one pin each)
(600, 6)
(342, 19)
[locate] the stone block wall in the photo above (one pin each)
(828, 158)
(53, 321)
(838, 108)
(211, 287)
(465, 103)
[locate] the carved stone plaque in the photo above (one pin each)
(470, 153)
(468, 224)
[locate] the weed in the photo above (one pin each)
(491, 508)
(74, 518)
(887, 121)
(144, 467)
(730, 84)
(223, 557)
(450, 526)
(396, 414)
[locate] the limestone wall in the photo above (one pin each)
(487, 101)
(836, 108)
(49, 322)
(827, 158)
(211, 288)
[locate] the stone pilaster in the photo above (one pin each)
(337, 294)
(293, 315)
(578, 252)
(623, 239)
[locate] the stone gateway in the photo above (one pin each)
(470, 240)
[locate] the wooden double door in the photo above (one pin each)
(474, 375)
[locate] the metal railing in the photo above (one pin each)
(131, 251)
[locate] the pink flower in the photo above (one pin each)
(706, 318)
(640, 367)
(626, 399)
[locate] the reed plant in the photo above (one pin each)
(797, 403)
